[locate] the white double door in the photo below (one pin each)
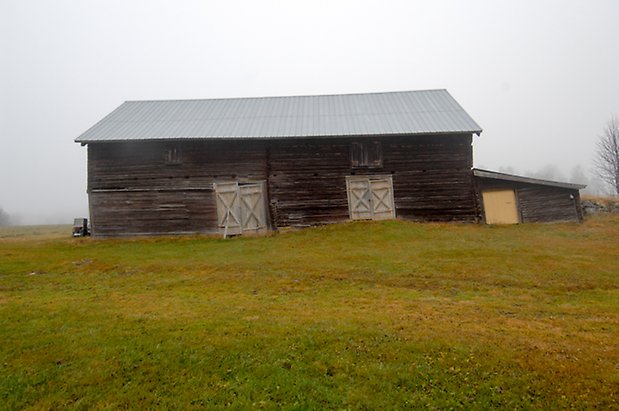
(241, 208)
(370, 197)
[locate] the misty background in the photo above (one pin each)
(540, 77)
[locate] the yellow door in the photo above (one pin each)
(500, 207)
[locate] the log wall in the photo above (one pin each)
(432, 179)
(133, 190)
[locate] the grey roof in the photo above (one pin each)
(520, 179)
(391, 113)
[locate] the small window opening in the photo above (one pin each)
(173, 155)
(366, 154)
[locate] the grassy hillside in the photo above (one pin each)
(387, 315)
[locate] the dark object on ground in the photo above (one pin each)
(80, 227)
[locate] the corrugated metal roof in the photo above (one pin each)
(390, 113)
(520, 179)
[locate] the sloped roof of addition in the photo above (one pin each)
(495, 175)
(370, 114)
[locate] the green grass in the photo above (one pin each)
(386, 315)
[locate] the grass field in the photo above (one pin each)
(386, 315)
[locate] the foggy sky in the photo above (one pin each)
(540, 77)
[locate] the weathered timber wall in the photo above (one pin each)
(537, 202)
(307, 181)
(142, 165)
(139, 212)
(133, 191)
(432, 179)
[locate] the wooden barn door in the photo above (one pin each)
(253, 207)
(370, 198)
(359, 199)
(241, 208)
(500, 207)
(228, 208)
(382, 199)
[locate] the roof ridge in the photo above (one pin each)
(374, 93)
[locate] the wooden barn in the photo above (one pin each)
(251, 165)
(255, 164)
(510, 199)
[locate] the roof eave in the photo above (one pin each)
(495, 175)
(245, 138)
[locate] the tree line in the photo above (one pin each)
(5, 218)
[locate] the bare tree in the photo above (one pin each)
(607, 159)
